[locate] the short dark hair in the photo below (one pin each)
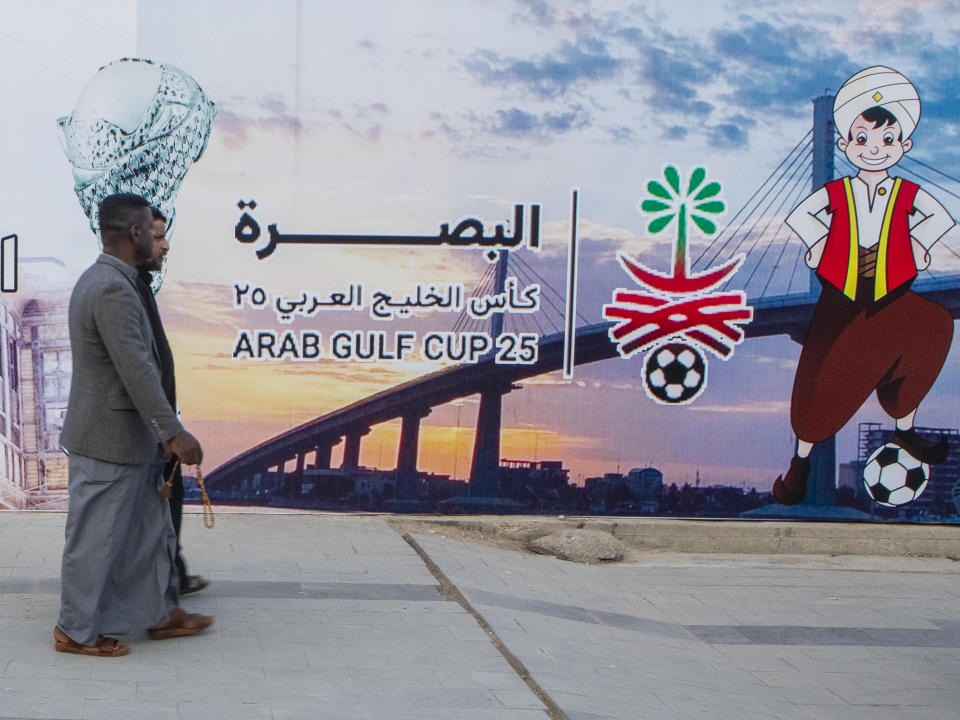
(119, 211)
(157, 213)
(879, 116)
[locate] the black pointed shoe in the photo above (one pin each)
(194, 583)
(932, 453)
(792, 489)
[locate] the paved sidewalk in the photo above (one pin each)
(736, 637)
(338, 617)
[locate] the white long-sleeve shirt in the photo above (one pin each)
(811, 218)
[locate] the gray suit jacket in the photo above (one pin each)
(117, 411)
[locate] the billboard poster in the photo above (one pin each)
(587, 257)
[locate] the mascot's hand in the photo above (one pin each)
(815, 252)
(921, 256)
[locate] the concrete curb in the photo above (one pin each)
(754, 537)
(718, 536)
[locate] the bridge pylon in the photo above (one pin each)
(822, 484)
(406, 477)
(485, 466)
(351, 451)
(323, 449)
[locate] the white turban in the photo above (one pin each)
(137, 127)
(877, 86)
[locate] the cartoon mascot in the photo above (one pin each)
(867, 236)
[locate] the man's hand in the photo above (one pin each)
(185, 447)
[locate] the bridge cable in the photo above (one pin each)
(796, 192)
(544, 284)
(799, 262)
(799, 192)
(798, 196)
(758, 212)
(789, 242)
(927, 181)
(547, 320)
(533, 275)
(931, 167)
(797, 165)
(785, 161)
(550, 301)
(747, 204)
(464, 317)
(753, 215)
(522, 316)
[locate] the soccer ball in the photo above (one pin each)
(675, 373)
(893, 476)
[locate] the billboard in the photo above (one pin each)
(501, 256)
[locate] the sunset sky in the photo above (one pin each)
(351, 118)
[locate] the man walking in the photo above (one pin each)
(118, 571)
(172, 470)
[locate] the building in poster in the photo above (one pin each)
(35, 374)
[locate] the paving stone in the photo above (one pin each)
(331, 617)
(112, 710)
(718, 642)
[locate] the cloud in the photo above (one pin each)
(364, 120)
(568, 66)
(270, 113)
(779, 67)
(196, 305)
(755, 407)
(728, 136)
(537, 12)
(441, 125)
(784, 363)
(674, 74)
(676, 68)
(605, 242)
(675, 132)
(517, 123)
(234, 121)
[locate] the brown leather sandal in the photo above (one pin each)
(105, 647)
(180, 624)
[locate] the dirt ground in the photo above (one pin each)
(567, 539)
(606, 539)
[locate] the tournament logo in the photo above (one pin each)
(674, 317)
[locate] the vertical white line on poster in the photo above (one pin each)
(569, 339)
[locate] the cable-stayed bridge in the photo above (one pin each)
(779, 286)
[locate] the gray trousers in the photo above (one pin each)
(118, 574)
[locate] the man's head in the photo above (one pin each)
(875, 112)
(875, 141)
(160, 246)
(126, 227)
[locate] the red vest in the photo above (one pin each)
(895, 264)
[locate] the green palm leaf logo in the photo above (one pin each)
(667, 202)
